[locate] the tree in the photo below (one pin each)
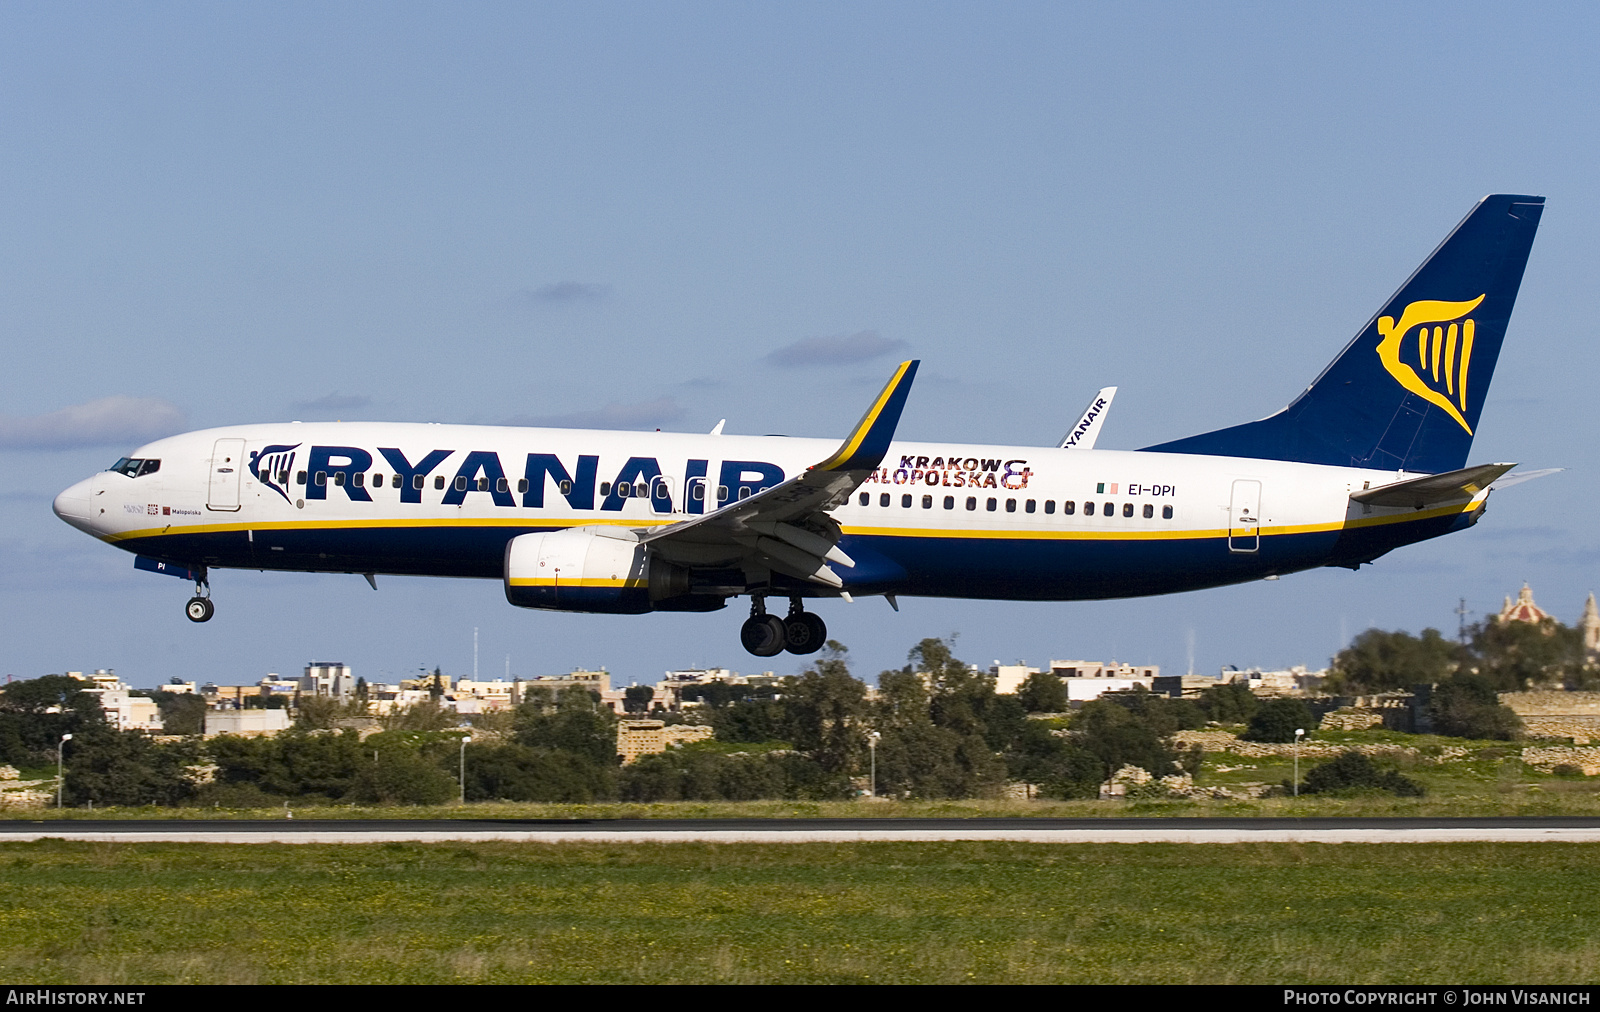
(1467, 706)
(110, 767)
(1379, 661)
(1119, 735)
(1229, 703)
(1277, 719)
(576, 724)
(181, 712)
(35, 713)
(513, 772)
(1042, 692)
(1353, 772)
(636, 698)
(1517, 655)
(825, 709)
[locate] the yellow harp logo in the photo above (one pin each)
(1443, 353)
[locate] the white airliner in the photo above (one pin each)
(1370, 457)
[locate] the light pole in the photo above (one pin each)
(872, 748)
(1299, 732)
(60, 769)
(463, 771)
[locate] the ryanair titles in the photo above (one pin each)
(300, 474)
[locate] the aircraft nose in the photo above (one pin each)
(76, 506)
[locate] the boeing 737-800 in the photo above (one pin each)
(1372, 456)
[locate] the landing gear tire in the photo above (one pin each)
(763, 635)
(199, 609)
(805, 633)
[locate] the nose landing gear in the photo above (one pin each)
(200, 608)
(802, 632)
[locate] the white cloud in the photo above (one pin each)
(335, 402)
(118, 420)
(641, 415)
(840, 350)
(568, 292)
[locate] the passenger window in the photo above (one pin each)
(883, 500)
(605, 488)
(1029, 506)
(905, 502)
(698, 491)
(1166, 512)
(722, 493)
(300, 479)
(624, 490)
(417, 481)
(1049, 505)
(461, 483)
(358, 479)
(993, 502)
(377, 481)
(972, 502)
(522, 485)
(564, 486)
(438, 481)
(641, 491)
(1011, 505)
(500, 485)
(949, 502)
(927, 502)
(1127, 509)
(322, 477)
(1068, 507)
(1088, 509)
(338, 479)
(865, 499)
(744, 491)
(1149, 511)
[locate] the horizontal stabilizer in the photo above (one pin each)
(1429, 490)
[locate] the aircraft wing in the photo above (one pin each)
(787, 527)
(1451, 486)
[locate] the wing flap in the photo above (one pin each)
(787, 526)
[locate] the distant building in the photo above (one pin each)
(1296, 681)
(250, 723)
(1523, 609)
(328, 678)
(124, 711)
(647, 737)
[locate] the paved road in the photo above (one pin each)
(1173, 830)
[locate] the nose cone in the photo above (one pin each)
(76, 506)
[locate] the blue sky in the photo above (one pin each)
(641, 215)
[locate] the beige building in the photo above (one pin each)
(648, 737)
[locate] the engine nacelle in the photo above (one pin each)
(594, 569)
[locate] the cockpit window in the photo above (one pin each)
(135, 467)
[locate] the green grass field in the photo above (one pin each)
(813, 913)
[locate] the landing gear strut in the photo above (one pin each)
(200, 608)
(768, 635)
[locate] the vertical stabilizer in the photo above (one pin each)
(1407, 392)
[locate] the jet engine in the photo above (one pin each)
(593, 569)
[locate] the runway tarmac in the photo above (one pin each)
(1173, 830)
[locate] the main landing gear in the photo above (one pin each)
(764, 635)
(200, 608)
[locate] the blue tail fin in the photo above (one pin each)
(1407, 392)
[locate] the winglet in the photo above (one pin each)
(864, 448)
